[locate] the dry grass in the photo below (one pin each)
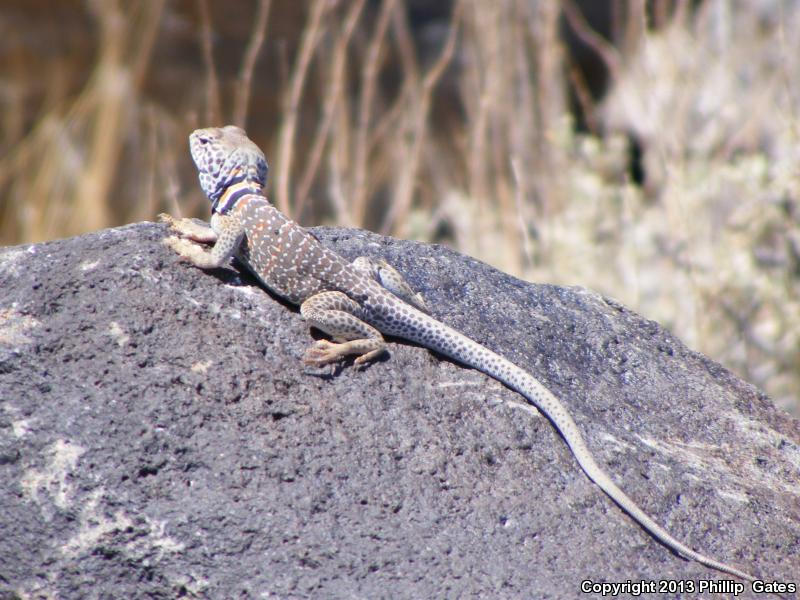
(58, 180)
(456, 131)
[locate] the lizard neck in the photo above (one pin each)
(233, 193)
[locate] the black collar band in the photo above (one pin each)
(232, 194)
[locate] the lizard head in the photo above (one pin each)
(225, 156)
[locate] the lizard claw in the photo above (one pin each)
(173, 242)
(321, 353)
(183, 247)
(324, 352)
(362, 362)
(165, 218)
(189, 229)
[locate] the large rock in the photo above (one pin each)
(160, 438)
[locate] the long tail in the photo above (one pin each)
(465, 350)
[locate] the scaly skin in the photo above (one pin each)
(347, 301)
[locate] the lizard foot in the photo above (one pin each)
(189, 229)
(166, 219)
(182, 246)
(324, 352)
(190, 252)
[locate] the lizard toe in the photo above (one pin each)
(321, 353)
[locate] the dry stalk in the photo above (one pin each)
(636, 26)
(396, 219)
(167, 168)
(336, 157)
(213, 105)
(507, 118)
(145, 32)
(385, 127)
(52, 171)
(242, 99)
(333, 95)
(114, 83)
(405, 46)
(369, 77)
(584, 96)
(477, 100)
(549, 107)
(110, 87)
(149, 206)
(522, 223)
(604, 49)
(308, 42)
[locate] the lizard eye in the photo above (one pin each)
(203, 140)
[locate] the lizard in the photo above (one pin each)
(355, 303)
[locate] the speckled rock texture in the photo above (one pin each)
(161, 438)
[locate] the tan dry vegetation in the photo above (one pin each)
(449, 127)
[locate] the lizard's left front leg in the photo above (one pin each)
(189, 228)
(339, 316)
(228, 232)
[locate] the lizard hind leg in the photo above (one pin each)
(391, 279)
(339, 316)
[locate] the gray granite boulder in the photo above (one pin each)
(160, 438)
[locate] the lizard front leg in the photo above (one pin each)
(228, 232)
(339, 316)
(189, 228)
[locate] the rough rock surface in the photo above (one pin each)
(160, 438)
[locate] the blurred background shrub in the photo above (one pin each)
(645, 149)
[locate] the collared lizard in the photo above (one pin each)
(354, 303)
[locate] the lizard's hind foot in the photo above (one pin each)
(324, 352)
(339, 316)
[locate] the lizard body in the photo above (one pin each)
(354, 303)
